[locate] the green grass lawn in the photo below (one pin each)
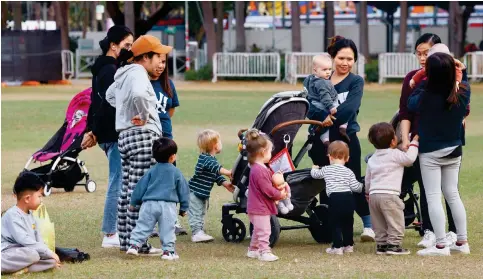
(28, 123)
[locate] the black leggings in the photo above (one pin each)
(413, 174)
(318, 154)
(341, 216)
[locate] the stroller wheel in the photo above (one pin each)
(47, 191)
(275, 226)
(234, 232)
(91, 186)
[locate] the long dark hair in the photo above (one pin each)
(337, 43)
(441, 73)
(428, 38)
(116, 35)
(164, 80)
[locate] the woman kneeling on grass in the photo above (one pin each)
(442, 109)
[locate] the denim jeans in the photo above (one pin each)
(152, 212)
(196, 213)
(109, 222)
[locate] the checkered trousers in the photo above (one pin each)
(135, 147)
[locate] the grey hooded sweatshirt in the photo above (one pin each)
(132, 94)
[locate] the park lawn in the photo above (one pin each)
(28, 123)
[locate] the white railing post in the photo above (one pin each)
(241, 64)
(215, 67)
(77, 64)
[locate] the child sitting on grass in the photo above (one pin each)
(159, 190)
(340, 182)
(207, 172)
(322, 94)
(383, 181)
(23, 249)
(261, 195)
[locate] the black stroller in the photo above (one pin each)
(281, 117)
(65, 170)
(412, 210)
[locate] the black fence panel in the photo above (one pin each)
(31, 55)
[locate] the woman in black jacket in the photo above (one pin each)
(101, 124)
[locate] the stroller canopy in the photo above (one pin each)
(69, 136)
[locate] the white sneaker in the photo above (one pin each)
(451, 238)
(267, 257)
(152, 252)
(201, 236)
(429, 239)
(334, 251)
(132, 251)
(348, 249)
(170, 256)
(368, 235)
(253, 254)
(433, 251)
(111, 241)
(463, 249)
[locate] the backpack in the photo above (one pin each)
(72, 255)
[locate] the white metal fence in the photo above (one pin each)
(396, 65)
(299, 65)
(240, 64)
(84, 59)
(67, 64)
(474, 64)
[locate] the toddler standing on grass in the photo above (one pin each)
(340, 182)
(261, 195)
(383, 181)
(23, 249)
(159, 191)
(322, 94)
(207, 172)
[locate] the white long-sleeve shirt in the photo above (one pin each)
(385, 169)
(338, 178)
(20, 229)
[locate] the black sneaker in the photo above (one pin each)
(396, 250)
(381, 249)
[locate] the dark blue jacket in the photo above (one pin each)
(440, 124)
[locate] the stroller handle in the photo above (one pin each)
(297, 122)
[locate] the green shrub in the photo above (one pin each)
(204, 73)
(372, 71)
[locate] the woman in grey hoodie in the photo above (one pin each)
(138, 124)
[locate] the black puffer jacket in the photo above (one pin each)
(102, 116)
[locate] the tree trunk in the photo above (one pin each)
(363, 30)
(209, 27)
(296, 36)
(403, 26)
(4, 14)
(85, 18)
(38, 11)
(219, 26)
(240, 26)
(455, 29)
(17, 15)
(329, 25)
(93, 13)
(466, 16)
(62, 18)
(129, 19)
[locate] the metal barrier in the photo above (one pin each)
(299, 65)
(396, 65)
(67, 64)
(474, 64)
(84, 59)
(239, 64)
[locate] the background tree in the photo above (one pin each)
(240, 10)
(220, 12)
(403, 26)
(363, 30)
(209, 28)
(329, 25)
(296, 32)
(62, 20)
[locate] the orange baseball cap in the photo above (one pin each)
(148, 43)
